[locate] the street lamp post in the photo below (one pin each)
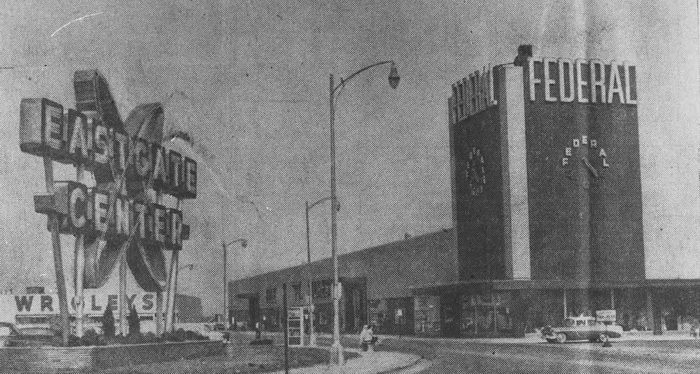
(312, 334)
(174, 320)
(337, 349)
(244, 243)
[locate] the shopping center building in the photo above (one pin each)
(547, 213)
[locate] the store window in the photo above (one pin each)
(486, 314)
(297, 291)
(271, 295)
(427, 319)
(322, 289)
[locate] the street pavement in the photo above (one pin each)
(641, 352)
(634, 353)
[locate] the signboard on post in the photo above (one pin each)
(609, 315)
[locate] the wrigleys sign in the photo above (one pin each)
(130, 166)
(95, 303)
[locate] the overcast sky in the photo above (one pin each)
(249, 81)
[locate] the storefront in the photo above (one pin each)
(375, 286)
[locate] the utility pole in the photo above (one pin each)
(286, 328)
(244, 243)
(337, 357)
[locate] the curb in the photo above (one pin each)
(404, 367)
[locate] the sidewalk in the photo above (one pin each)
(380, 361)
(367, 363)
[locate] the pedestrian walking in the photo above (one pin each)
(367, 338)
(257, 330)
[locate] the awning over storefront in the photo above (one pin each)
(247, 295)
(482, 285)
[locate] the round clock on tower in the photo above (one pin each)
(584, 152)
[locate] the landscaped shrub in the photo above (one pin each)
(91, 337)
(173, 337)
(180, 335)
(134, 323)
(108, 322)
(193, 335)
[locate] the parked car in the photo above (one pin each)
(8, 335)
(37, 336)
(581, 328)
(216, 331)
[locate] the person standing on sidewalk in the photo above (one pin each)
(367, 338)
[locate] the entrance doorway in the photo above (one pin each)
(450, 315)
(254, 310)
(355, 301)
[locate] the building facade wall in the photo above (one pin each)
(581, 222)
(561, 182)
(568, 203)
(380, 278)
(479, 214)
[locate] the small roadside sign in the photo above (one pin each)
(608, 315)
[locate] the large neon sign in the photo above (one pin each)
(128, 160)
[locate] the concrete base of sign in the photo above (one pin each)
(89, 359)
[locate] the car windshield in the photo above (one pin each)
(569, 322)
(580, 323)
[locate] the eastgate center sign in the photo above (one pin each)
(121, 215)
(71, 138)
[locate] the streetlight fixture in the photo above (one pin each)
(312, 334)
(337, 349)
(191, 266)
(244, 243)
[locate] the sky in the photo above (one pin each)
(249, 81)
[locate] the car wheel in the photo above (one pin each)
(603, 337)
(561, 337)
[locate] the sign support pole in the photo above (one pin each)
(159, 293)
(79, 269)
(169, 308)
(172, 287)
(57, 258)
(122, 295)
